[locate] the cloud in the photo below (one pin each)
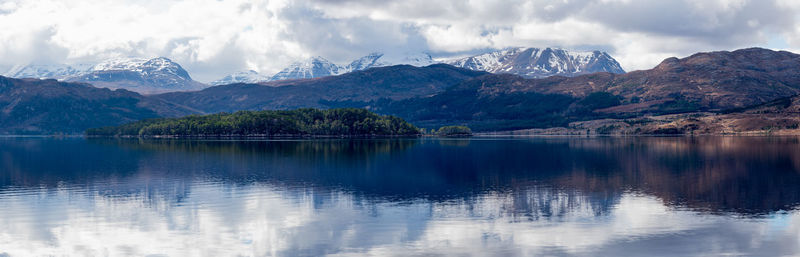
(267, 220)
(212, 38)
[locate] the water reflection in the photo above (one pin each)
(550, 196)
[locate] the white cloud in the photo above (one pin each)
(212, 38)
(264, 220)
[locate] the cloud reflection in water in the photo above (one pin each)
(621, 197)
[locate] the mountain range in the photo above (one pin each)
(715, 92)
(318, 66)
(526, 62)
(160, 75)
(702, 84)
(539, 63)
(156, 75)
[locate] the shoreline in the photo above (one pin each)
(476, 136)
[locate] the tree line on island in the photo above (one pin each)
(300, 122)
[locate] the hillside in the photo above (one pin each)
(779, 117)
(393, 82)
(33, 106)
(704, 82)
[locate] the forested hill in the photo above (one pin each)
(40, 107)
(301, 122)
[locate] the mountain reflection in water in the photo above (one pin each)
(552, 196)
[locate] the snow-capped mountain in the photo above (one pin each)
(369, 61)
(376, 59)
(155, 75)
(523, 61)
(310, 68)
(320, 67)
(537, 63)
(250, 76)
(417, 59)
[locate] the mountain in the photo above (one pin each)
(378, 59)
(155, 75)
(316, 67)
(712, 82)
(33, 106)
(392, 82)
(250, 76)
(311, 68)
(539, 63)
(369, 61)
(321, 67)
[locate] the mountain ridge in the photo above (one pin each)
(393, 82)
(318, 66)
(154, 75)
(524, 61)
(537, 63)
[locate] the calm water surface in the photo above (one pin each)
(471, 197)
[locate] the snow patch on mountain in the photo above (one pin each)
(47, 71)
(250, 76)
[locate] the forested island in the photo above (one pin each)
(454, 131)
(300, 122)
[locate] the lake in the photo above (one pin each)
(555, 196)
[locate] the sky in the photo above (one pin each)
(212, 38)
